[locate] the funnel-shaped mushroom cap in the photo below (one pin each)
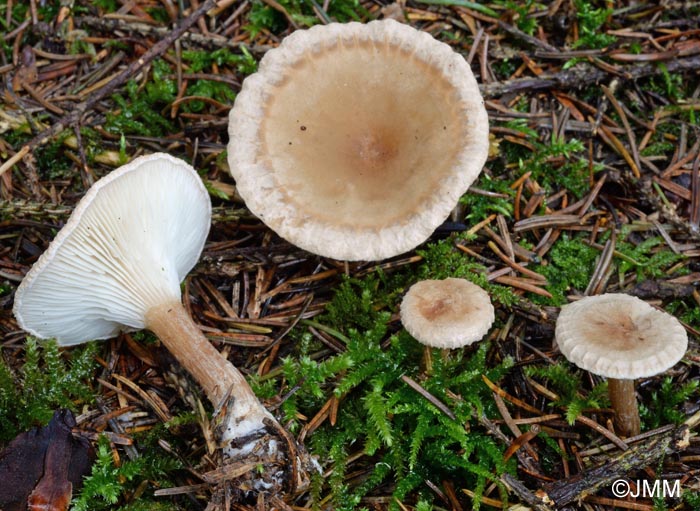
(130, 241)
(619, 336)
(356, 141)
(448, 313)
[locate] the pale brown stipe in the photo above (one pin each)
(623, 338)
(447, 313)
(176, 330)
(355, 141)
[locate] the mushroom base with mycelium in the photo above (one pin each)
(219, 379)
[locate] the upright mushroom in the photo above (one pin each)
(622, 338)
(448, 313)
(117, 265)
(356, 141)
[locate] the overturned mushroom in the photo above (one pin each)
(622, 338)
(356, 141)
(448, 313)
(117, 265)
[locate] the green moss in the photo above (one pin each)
(108, 486)
(591, 25)
(692, 499)
(111, 486)
(664, 405)
(568, 386)
(217, 91)
(263, 17)
(571, 264)
(648, 258)
(405, 438)
(520, 12)
(51, 160)
(107, 6)
(657, 148)
(140, 110)
(480, 207)
(686, 310)
(48, 379)
(202, 60)
(347, 10)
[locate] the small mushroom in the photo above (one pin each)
(356, 141)
(117, 265)
(448, 313)
(622, 338)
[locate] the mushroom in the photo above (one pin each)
(448, 313)
(356, 141)
(117, 265)
(622, 338)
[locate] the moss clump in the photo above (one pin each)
(569, 387)
(110, 483)
(665, 403)
(48, 379)
(571, 264)
(139, 111)
(442, 260)
(404, 438)
(648, 258)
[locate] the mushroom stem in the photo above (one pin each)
(624, 405)
(218, 377)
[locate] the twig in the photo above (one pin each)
(427, 395)
(583, 75)
(576, 488)
(14, 159)
(527, 38)
(206, 41)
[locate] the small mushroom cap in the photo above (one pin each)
(619, 336)
(356, 141)
(130, 241)
(448, 313)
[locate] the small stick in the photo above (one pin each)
(14, 159)
(590, 481)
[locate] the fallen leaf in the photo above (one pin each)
(41, 467)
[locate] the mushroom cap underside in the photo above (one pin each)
(355, 141)
(619, 336)
(129, 242)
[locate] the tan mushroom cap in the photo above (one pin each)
(619, 336)
(356, 141)
(448, 313)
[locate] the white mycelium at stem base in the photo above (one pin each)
(117, 265)
(356, 141)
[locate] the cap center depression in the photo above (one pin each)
(374, 134)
